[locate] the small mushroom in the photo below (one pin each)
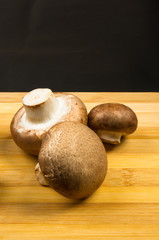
(73, 160)
(40, 111)
(111, 121)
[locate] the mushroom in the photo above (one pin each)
(111, 121)
(73, 160)
(40, 111)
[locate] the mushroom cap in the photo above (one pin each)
(113, 117)
(73, 159)
(78, 110)
(30, 139)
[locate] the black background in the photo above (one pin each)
(79, 45)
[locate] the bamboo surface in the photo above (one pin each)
(125, 207)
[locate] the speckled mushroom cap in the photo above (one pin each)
(73, 159)
(29, 137)
(112, 117)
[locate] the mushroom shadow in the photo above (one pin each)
(31, 157)
(111, 147)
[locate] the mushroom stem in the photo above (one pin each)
(40, 176)
(40, 104)
(109, 136)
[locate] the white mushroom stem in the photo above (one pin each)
(109, 136)
(40, 176)
(43, 110)
(40, 104)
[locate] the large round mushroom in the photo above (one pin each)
(41, 110)
(72, 160)
(111, 121)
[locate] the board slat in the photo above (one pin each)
(125, 207)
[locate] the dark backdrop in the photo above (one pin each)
(79, 45)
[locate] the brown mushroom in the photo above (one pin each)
(111, 121)
(73, 160)
(41, 110)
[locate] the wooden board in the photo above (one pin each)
(125, 207)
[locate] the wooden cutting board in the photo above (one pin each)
(126, 206)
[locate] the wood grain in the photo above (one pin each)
(125, 207)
